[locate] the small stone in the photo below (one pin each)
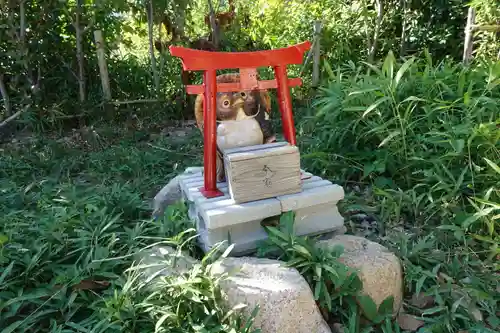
(408, 322)
(366, 225)
(379, 269)
(170, 193)
(163, 261)
(421, 300)
(180, 133)
(338, 328)
(285, 300)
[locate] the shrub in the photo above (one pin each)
(423, 139)
(71, 223)
(425, 135)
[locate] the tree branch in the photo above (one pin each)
(90, 24)
(213, 25)
(14, 116)
(486, 27)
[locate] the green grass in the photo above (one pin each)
(74, 214)
(415, 144)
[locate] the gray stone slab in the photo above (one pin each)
(220, 219)
(318, 193)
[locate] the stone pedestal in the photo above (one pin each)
(218, 219)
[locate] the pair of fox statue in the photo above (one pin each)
(242, 119)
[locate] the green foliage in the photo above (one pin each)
(337, 288)
(423, 138)
(73, 221)
(329, 279)
(40, 66)
(419, 134)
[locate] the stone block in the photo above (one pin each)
(221, 219)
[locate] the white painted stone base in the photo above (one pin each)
(218, 219)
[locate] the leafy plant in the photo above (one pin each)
(421, 139)
(337, 288)
(328, 277)
(72, 222)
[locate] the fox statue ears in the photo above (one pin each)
(229, 78)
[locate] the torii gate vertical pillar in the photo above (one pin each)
(210, 135)
(247, 63)
(285, 104)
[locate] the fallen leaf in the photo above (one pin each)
(91, 285)
(421, 300)
(409, 323)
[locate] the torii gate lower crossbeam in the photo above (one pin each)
(247, 63)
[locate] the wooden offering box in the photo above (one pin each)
(262, 171)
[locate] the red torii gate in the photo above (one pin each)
(247, 63)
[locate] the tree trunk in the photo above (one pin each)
(402, 49)
(367, 29)
(213, 25)
(103, 67)
(154, 68)
(79, 51)
(378, 23)
(22, 21)
(5, 96)
(469, 31)
(317, 50)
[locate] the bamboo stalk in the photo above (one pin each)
(154, 68)
(79, 51)
(103, 68)
(317, 49)
(380, 15)
(469, 30)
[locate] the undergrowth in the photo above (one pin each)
(415, 144)
(72, 224)
(336, 287)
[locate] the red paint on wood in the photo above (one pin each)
(198, 60)
(209, 134)
(285, 106)
(229, 87)
(247, 63)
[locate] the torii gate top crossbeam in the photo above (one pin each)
(198, 60)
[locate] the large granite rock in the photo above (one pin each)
(286, 303)
(378, 268)
(285, 300)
